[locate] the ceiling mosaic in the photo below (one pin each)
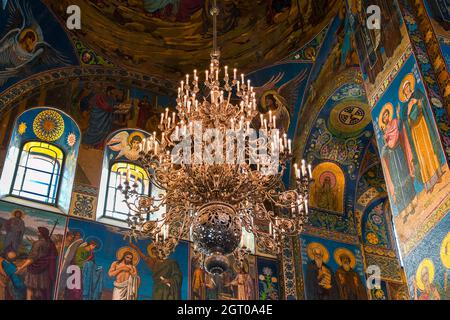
(166, 37)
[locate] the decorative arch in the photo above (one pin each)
(51, 133)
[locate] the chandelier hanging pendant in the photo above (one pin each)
(211, 190)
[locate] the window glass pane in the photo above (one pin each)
(115, 206)
(38, 172)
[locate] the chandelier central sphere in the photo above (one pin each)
(211, 190)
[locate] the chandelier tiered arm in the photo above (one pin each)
(211, 188)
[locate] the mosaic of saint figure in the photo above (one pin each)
(326, 193)
(108, 111)
(417, 122)
(198, 282)
(397, 159)
(320, 280)
(445, 259)
(40, 267)
(278, 102)
(12, 285)
(349, 283)
(23, 47)
(144, 112)
(128, 145)
(82, 254)
(101, 117)
(424, 289)
(166, 274)
(15, 229)
(243, 283)
(123, 270)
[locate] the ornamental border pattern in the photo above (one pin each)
(87, 73)
(331, 235)
(428, 76)
(288, 270)
(439, 213)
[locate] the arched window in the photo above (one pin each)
(38, 172)
(115, 207)
(41, 159)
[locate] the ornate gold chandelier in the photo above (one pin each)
(210, 190)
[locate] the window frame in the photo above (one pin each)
(111, 164)
(61, 174)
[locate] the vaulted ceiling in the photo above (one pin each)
(170, 38)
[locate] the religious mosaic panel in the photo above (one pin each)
(31, 242)
(332, 270)
(428, 265)
(407, 134)
(238, 283)
(379, 50)
(32, 41)
(113, 268)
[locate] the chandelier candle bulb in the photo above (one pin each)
(234, 74)
(242, 79)
(206, 75)
(289, 145)
(310, 171)
(238, 88)
(303, 167)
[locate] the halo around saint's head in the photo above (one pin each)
(149, 250)
(121, 251)
(408, 79)
(339, 252)
(135, 134)
(387, 107)
(426, 263)
(317, 246)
